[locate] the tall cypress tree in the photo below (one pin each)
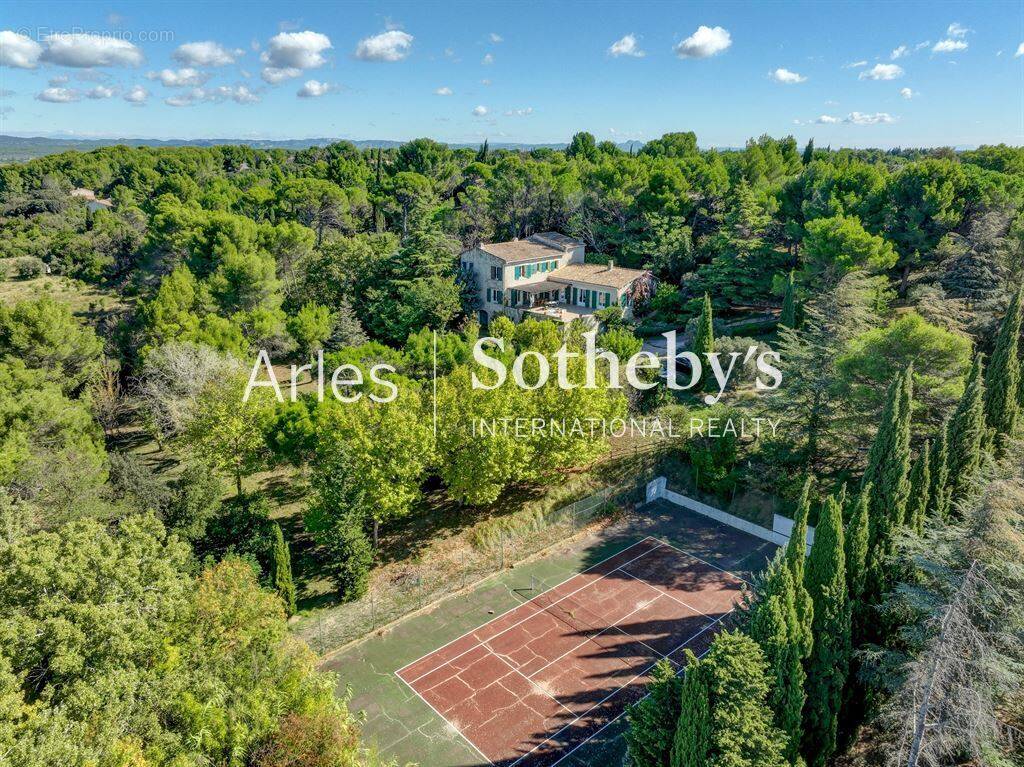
(653, 720)
(920, 486)
(691, 746)
(808, 152)
(856, 543)
(888, 471)
(742, 732)
(704, 338)
(788, 317)
(772, 626)
(938, 493)
(966, 432)
(796, 555)
(282, 571)
(828, 666)
(1003, 379)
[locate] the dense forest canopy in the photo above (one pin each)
(887, 281)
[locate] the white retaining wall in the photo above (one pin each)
(782, 527)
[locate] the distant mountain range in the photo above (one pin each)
(21, 148)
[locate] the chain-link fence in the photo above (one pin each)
(491, 547)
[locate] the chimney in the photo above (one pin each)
(611, 264)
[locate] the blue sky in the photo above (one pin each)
(517, 71)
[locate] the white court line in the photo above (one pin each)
(611, 695)
(622, 713)
(666, 594)
(531, 601)
(449, 724)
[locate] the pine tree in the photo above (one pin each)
(691, 744)
(828, 666)
(652, 721)
(938, 493)
(1003, 378)
(704, 339)
(772, 627)
(888, 471)
(920, 486)
(966, 432)
(788, 317)
(481, 155)
(796, 555)
(282, 571)
(808, 152)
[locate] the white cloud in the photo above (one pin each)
(855, 65)
(240, 94)
(393, 45)
(59, 80)
(487, 59)
(485, 82)
(85, 50)
(314, 88)
(186, 77)
(18, 50)
(860, 118)
(137, 95)
(59, 95)
(882, 72)
(496, 38)
(786, 77)
(827, 120)
(275, 75)
(519, 112)
(443, 91)
(899, 52)
(705, 42)
(949, 46)
(101, 92)
(1020, 51)
(205, 53)
(907, 93)
(290, 52)
(479, 111)
(956, 30)
(626, 46)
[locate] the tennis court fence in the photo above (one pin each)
(488, 550)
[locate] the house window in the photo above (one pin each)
(518, 272)
(488, 295)
(606, 299)
(496, 273)
(497, 296)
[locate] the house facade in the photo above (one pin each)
(546, 276)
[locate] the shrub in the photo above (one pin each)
(28, 267)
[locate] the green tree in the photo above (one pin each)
(787, 318)
(920, 486)
(1003, 377)
(808, 155)
(281, 571)
(835, 246)
(828, 666)
(774, 626)
(795, 557)
(227, 433)
(939, 490)
(583, 146)
(652, 721)
(311, 327)
(691, 742)
(704, 339)
(44, 334)
(966, 434)
(888, 472)
(856, 558)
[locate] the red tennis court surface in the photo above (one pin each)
(535, 683)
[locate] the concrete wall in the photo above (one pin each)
(782, 527)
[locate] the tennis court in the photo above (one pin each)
(538, 681)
